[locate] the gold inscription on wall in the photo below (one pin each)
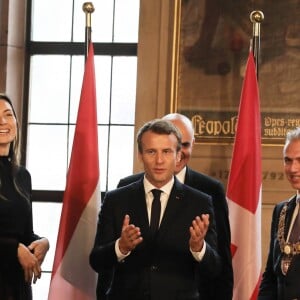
(212, 126)
(266, 175)
(272, 180)
(272, 174)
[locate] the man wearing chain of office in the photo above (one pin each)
(281, 279)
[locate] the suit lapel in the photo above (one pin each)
(174, 206)
(139, 207)
(289, 214)
(288, 218)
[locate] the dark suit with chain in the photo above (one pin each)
(159, 268)
(221, 287)
(275, 285)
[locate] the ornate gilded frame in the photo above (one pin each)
(207, 87)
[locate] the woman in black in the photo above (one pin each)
(21, 250)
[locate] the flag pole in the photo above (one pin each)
(256, 18)
(88, 8)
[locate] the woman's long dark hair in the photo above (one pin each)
(14, 146)
(13, 154)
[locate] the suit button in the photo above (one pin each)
(154, 268)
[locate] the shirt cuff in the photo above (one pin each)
(199, 255)
(120, 255)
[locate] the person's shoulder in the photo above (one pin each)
(23, 178)
(122, 196)
(130, 179)
(22, 172)
(290, 201)
(189, 190)
(194, 198)
(126, 189)
(204, 177)
(287, 203)
(204, 183)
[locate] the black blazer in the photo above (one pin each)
(221, 287)
(160, 268)
(275, 285)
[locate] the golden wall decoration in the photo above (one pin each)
(210, 48)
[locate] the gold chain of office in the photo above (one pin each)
(286, 247)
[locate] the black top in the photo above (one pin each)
(15, 227)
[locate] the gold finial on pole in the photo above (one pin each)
(88, 9)
(256, 17)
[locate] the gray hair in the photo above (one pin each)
(291, 136)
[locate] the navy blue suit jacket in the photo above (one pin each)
(160, 268)
(221, 287)
(275, 285)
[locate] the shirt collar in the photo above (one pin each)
(166, 188)
(181, 175)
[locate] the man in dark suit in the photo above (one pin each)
(221, 287)
(159, 261)
(281, 279)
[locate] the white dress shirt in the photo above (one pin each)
(295, 213)
(166, 190)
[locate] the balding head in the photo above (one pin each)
(185, 126)
(180, 119)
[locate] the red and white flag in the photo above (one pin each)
(72, 277)
(244, 191)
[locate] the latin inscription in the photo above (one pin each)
(212, 126)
